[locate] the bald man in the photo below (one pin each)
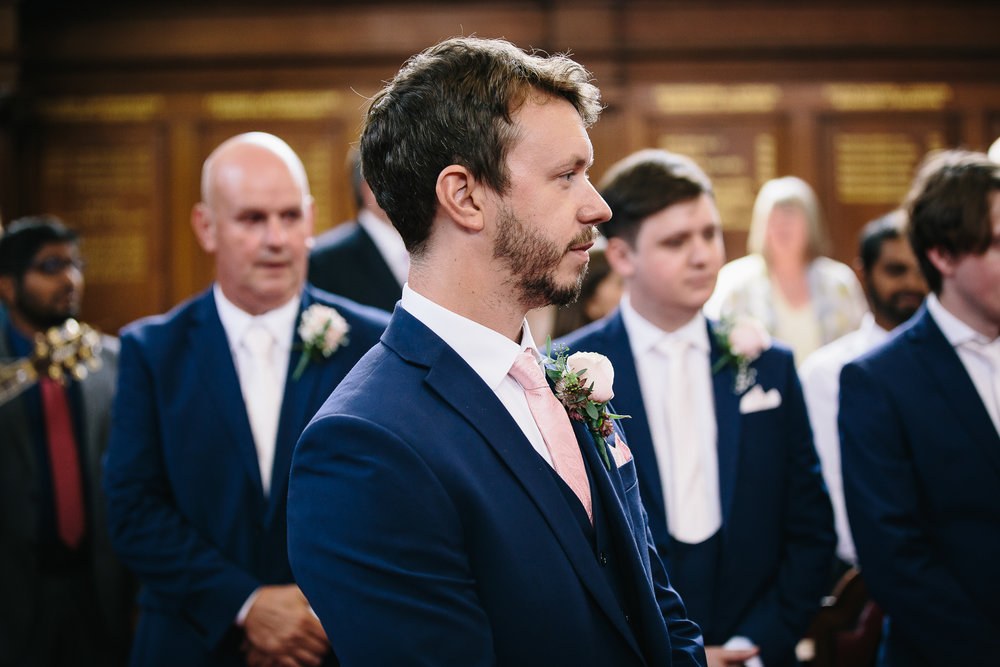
(211, 399)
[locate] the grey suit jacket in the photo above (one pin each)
(19, 574)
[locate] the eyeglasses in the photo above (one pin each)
(53, 266)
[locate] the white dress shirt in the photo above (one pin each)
(489, 354)
(280, 323)
(958, 333)
(652, 368)
(820, 376)
(388, 242)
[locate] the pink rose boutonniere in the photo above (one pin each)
(742, 341)
(583, 384)
(322, 330)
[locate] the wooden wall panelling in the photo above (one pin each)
(737, 133)
(108, 181)
(868, 161)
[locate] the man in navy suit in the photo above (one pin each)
(722, 444)
(426, 522)
(204, 427)
(919, 420)
(364, 260)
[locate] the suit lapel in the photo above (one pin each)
(452, 378)
(728, 422)
(212, 361)
(933, 353)
(618, 349)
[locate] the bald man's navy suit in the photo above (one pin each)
(186, 506)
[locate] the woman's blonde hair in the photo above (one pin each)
(784, 191)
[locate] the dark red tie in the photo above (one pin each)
(64, 459)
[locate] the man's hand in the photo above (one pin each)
(728, 657)
(281, 629)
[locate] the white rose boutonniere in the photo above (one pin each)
(742, 341)
(322, 330)
(583, 384)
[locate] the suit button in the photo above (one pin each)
(603, 559)
(628, 619)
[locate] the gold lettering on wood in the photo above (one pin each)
(877, 167)
(277, 105)
(888, 96)
(738, 162)
(103, 108)
(682, 98)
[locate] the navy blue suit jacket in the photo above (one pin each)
(186, 506)
(921, 465)
(347, 262)
(424, 529)
(777, 525)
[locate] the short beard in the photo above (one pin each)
(533, 261)
(37, 314)
(890, 309)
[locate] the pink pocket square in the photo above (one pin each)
(621, 453)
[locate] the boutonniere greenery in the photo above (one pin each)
(742, 341)
(323, 330)
(582, 383)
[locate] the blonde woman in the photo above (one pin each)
(801, 296)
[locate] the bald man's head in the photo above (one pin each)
(244, 142)
(256, 218)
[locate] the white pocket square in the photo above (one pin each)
(756, 399)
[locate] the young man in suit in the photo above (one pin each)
(919, 420)
(364, 260)
(725, 457)
(67, 597)
(427, 522)
(211, 399)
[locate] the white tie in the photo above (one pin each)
(991, 353)
(262, 400)
(689, 512)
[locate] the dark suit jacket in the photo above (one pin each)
(348, 263)
(424, 528)
(777, 525)
(19, 574)
(921, 464)
(185, 501)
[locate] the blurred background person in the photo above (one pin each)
(803, 297)
(66, 597)
(364, 259)
(600, 292)
(212, 398)
(919, 423)
(895, 289)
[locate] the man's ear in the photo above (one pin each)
(459, 196)
(620, 255)
(942, 260)
(204, 227)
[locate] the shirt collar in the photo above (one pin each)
(388, 241)
(955, 330)
(280, 321)
(645, 335)
(489, 353)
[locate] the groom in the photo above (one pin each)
(426, 517)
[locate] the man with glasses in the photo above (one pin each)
(66, 597)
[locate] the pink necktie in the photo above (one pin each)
(64, 460)
(553, 423)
